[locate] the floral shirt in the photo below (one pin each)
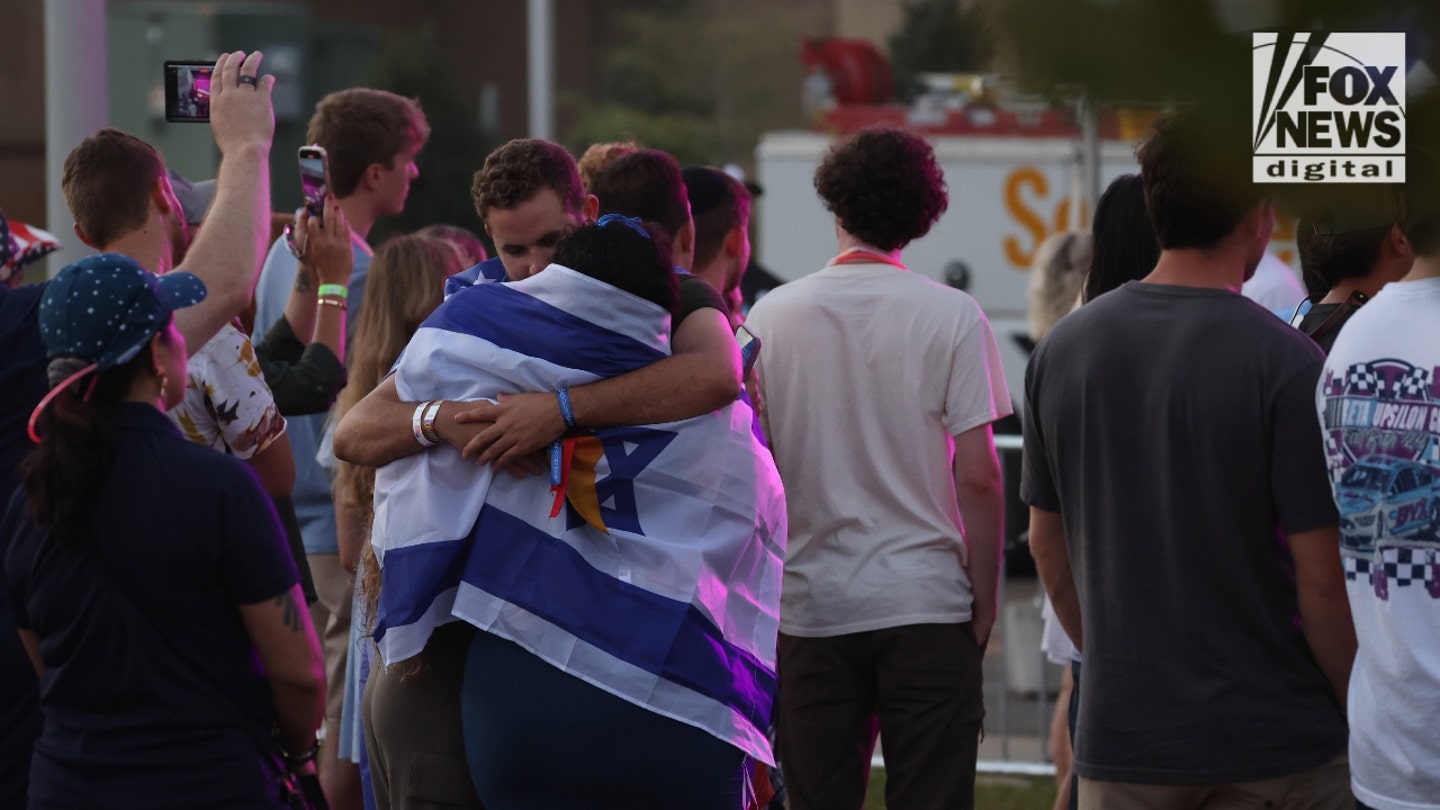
(227, 404)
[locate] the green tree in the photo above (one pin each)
(698, 78)
(939, 36)
(410, 65)
(1177, 50)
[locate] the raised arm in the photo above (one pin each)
(302, 352)
(227, 252)
(979, 488)
(328, 259)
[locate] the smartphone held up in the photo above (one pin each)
(187, 90)
(314, 185)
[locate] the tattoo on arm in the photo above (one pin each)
(302, 280)
(292, 611)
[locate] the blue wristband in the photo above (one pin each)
(557, 460)
(566, 411)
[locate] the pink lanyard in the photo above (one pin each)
(859, 255)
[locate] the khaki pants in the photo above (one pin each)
(335, 590)
(1324, 788)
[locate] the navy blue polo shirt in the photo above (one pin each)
(152, 694)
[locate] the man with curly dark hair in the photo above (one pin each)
(529, 195)
(878, 389)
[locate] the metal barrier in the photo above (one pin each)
(1006, 765)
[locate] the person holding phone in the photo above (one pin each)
(306, 375)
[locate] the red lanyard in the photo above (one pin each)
(859, 255)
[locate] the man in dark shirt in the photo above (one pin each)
(1180, 513)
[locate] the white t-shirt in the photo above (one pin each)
(1274, 286)
(1379, 401)
(866, 372)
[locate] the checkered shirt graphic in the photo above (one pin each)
(1400, 567)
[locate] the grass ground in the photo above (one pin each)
(991, 793)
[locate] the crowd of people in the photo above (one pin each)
(532, 531)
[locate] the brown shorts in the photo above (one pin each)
(1324, 788)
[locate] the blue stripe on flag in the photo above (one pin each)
(532, 327)
(528, 568)
(488, 270)
(419, 573)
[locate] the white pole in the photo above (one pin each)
(77, 102)
(541, 57)
(1090, 161)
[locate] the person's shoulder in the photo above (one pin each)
(696, 293)
(935, 293)
(279, 255)
(24, 296)
(781, 298)
(228, 343)
(20, 308)
(1274, 333)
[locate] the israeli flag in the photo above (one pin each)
(658, 578)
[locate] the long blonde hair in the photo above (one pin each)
(405, 284)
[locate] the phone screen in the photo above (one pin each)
(187, 91)
(312, 181)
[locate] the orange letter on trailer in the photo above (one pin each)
(1019, 257)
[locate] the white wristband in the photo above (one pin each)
(417, 424)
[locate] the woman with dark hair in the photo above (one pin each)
(150, 582)
(1125, 248)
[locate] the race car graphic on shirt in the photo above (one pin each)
(1382, 431)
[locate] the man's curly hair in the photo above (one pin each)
(884, 186)
(519, 169)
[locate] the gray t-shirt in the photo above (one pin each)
(1174, 430)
